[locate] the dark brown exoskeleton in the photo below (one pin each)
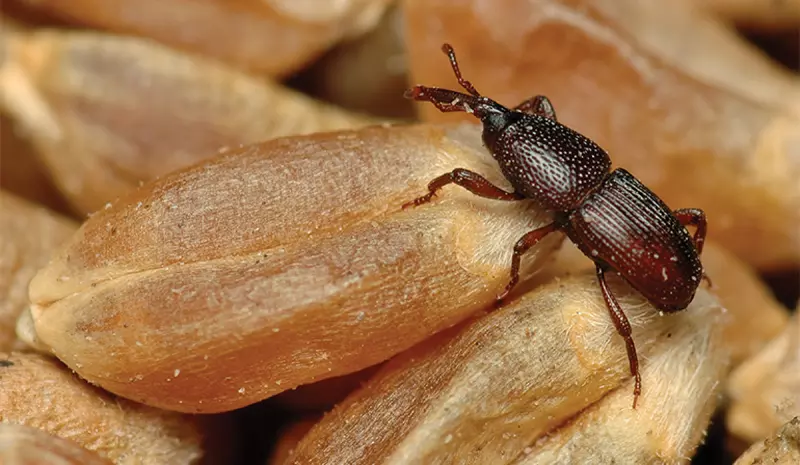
(612, 217)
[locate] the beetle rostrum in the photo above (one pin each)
(614, 219)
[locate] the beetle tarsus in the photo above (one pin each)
(419, 200)
(500, 299)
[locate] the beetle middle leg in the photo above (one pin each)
(523, 245)
(470, 181)
(539, 105)
(623, 327)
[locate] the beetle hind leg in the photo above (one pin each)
(697, 218)
(623, 327)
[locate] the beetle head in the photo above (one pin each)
(495, 117)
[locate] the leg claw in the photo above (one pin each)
(500, 299)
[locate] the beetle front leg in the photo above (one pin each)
(623, 327)
(523, 245)
(539, 105)
(470, 181)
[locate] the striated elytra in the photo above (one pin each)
(613, 218)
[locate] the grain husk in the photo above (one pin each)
(782, 15)
(485, 393)
(38, 392)
(29, 234)
(272, 37)
(685, 374)
(289, 437)
(277, 265)
(765, 389)
(781, 448)
(22, 445)
(106, 113)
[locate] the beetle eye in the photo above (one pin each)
(495, 121)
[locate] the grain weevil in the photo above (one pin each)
(613, 218)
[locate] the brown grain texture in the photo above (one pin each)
(323, 395)
(29, 234)
(274, 37)
(369, 74)
(39, 392)
(765, 389)
(696, 114)
(683, 376)
(278, 264)
(22, 445)
(756, 13)
(487, 392)
(21, 172)
(781, 448)
(107, 113)
(288, 439)
(756, 317)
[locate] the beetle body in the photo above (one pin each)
(625, 227)
(548, 162)
(613, 218)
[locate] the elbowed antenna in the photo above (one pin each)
(448, 50)
(446, 100)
